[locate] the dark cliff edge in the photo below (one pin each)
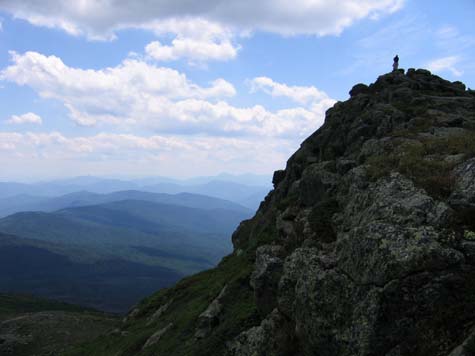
(366, 246)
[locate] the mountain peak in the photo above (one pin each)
(415, 79)
(364, 247)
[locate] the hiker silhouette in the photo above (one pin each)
(396, 62)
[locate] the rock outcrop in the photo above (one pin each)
(210, 317)
(366, 245)
(155, 338)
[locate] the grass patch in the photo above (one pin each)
(14, 304)
(264, 237)
(424, 162)
(50, 326)
(415, 127)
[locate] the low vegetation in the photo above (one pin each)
(35, 326)
(428, 161)
(14, 304)
(189, 298)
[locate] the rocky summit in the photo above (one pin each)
(366, 245)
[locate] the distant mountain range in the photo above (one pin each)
(248, 196)
(109, 250)
(107, 243)
(247, 190)
(23, 202)
(244, 179)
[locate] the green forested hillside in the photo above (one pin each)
(108, 256)
(116, 230)
(107, 283)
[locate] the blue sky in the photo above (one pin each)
(167, 88)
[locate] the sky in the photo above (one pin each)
(185, 88)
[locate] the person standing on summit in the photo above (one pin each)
(396, 63)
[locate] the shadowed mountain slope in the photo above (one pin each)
(111, 255)
(29, 267)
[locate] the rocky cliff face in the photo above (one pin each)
(366, 246)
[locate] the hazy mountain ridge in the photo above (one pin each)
(23, 203)
(249, 196)
(239, 189)
(127, 222)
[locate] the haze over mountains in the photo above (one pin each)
(85, 240)
(247, 190)
(25, 202)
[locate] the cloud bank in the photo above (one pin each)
(201, 31)
(193, 125)
(100, 19)
(50, 154)
(137, 94)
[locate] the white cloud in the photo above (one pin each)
(52, 153)
(101, 19)
(202, 30)
(196, 131)
(445, 64)
(46, 73)
(28, 118)
(112, 95)
(450, 40)
(196, 40)
(191, 49)
(299, 94)
(138, 94)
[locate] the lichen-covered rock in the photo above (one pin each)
(317, 183)
(272, 337)
(210, 317)
(359, 89)
(131, 315)
(160, 311)
(397, 276)
(266, 275)
(463, 194)
(278, 177)
(155, 338)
